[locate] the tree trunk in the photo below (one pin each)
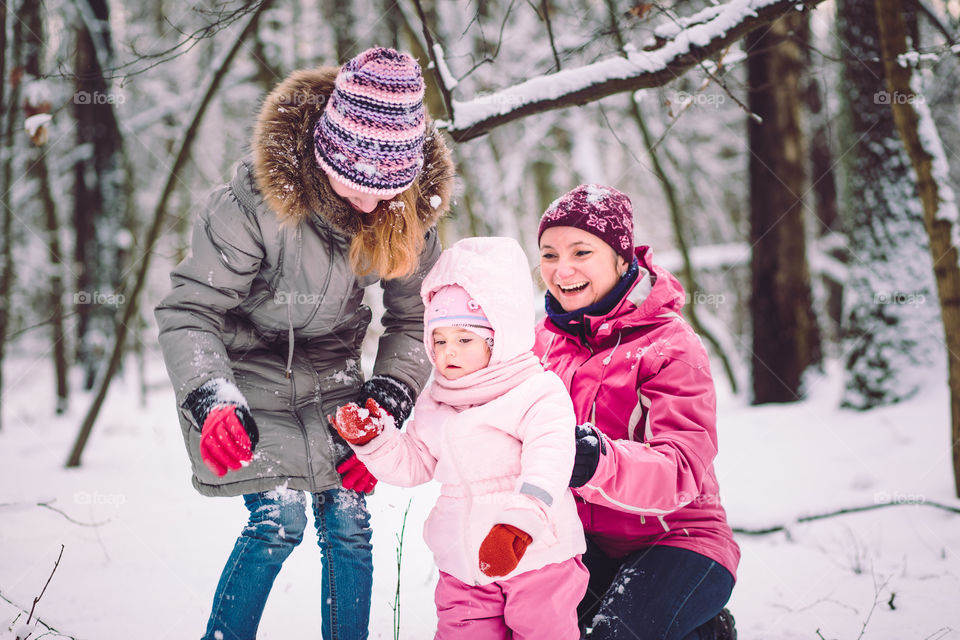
(890, 301)
(786, 340)
(32, 16)
(99, 193)
(915, 124)
(7, 111)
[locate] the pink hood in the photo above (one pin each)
(496, 273)
(642, 376)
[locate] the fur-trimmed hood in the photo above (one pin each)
(286, 170)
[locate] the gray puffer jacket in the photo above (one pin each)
(267, 287)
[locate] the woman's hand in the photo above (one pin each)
(590, 446)
(227, 439)
(228, 432)
(393, 396)
(355, 475)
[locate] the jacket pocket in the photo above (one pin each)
(355, 328)
(260, 376)
(238, 335)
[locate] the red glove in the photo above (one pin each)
(354, 475)
(359, 426)
(224, 443)
(501, 550)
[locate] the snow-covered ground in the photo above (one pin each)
(143, 551)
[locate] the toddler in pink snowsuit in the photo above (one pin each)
(497, 431)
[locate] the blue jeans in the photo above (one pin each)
(657, 593)
(277, 522)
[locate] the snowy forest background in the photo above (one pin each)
(769, 151)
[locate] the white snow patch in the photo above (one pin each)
(597, 194)
(449, 81)
(33, 123)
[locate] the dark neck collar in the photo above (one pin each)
(572, 322)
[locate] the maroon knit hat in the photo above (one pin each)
(602, 211)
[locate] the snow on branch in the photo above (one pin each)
(638, 70)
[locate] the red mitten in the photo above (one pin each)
(501, 550)
(224, 443)
(359, 426)
(354, 475)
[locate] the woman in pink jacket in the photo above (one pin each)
(495, 430)
(661, 555)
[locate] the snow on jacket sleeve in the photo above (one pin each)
(400, 459)
(546, 432)
(400, 353)
(224, 258)
(665, 472)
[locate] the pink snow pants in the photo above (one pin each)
(535, 604)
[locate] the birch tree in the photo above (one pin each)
(890, 298)
(922, 142)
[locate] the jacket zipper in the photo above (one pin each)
(303, 432)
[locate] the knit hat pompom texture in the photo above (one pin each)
(452, 306)
(371, 132)
(602, 211)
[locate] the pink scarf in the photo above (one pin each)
(484, 385)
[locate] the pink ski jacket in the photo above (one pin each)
(643, 378)
(500, 440)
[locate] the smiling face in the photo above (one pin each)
(358, 200)
(458, 352)
(578, 267)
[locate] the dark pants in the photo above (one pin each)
(657, 593)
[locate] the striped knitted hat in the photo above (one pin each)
(371, 133)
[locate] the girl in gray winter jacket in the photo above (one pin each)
(261, 333)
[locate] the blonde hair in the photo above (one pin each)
(390, 238)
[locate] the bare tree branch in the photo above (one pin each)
(937, 21)
(641, 70)
(220, 20)
(434, 56)
(47, 505)
(545, 4)
(44, 590)
(839, 512)
(496, 51)
(50, 629)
